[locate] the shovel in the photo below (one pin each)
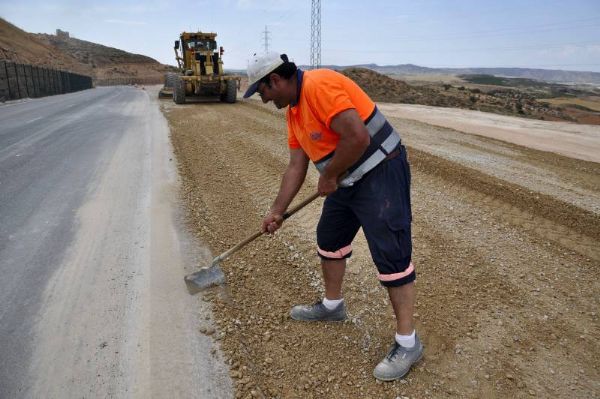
(213, 275)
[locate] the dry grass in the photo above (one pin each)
(592, 103)
(428, 79)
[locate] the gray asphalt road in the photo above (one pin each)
(92, 301)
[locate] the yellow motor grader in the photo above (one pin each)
(201, 73)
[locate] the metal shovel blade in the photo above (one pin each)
(204, 278)
(213, 275)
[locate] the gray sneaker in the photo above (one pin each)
(318, 312)
(398, 361)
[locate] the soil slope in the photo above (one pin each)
(22, 47)
(499, 100)
(74, 55)
(107, 62)
(505, 244)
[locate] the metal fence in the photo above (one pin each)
(21, 81)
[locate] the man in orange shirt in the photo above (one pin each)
(366, 177)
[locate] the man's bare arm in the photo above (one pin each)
(354, 140)
(290, 185)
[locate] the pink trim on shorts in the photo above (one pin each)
(397, 276)
(339, 254)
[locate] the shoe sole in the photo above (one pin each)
(336, 320)
(399, 377)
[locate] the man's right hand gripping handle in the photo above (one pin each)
(272, 222)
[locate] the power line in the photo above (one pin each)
(281, 32)
(538, 46)
(500, 67)
(499, 32)
(570, 24)
(507, 31)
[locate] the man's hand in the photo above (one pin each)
(271, 223)
(327, 185)
(354, 140)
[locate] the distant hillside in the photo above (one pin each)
(507, 101)
(546, 75)
(94, 54)
(22, 47)
(107, 62)
(71, 54)
(383, 88)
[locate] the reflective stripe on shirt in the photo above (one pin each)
(384, 139)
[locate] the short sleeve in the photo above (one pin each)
(328, 98)
(293, 142)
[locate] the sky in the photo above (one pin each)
(546, 34)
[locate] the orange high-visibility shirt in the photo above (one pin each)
(324, 94)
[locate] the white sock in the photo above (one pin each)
(332, 303)
(407, 341)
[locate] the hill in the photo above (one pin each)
(383, 88)
(61, 51)
(106, 62)
(22, 47)
(500, 100)
(546, 75)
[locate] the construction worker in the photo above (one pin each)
(365, 176)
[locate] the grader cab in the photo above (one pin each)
(201, 73)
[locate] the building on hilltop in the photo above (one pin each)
(62, 34)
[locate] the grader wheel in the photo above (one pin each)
(170, 79)
(179, 91)
(230, 95)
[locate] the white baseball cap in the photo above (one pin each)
(259, 67)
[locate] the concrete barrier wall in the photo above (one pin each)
(22, 81)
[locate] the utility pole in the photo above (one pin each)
(266, 38)
(315, 34)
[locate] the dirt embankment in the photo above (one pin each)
(505, 245)
(19, 46)
(74, 55)
(107, 62)
(496, 99)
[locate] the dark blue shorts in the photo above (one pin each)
(380, 204)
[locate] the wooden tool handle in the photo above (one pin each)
(300, 206)
(253, 237)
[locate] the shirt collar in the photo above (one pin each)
(300, 76)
